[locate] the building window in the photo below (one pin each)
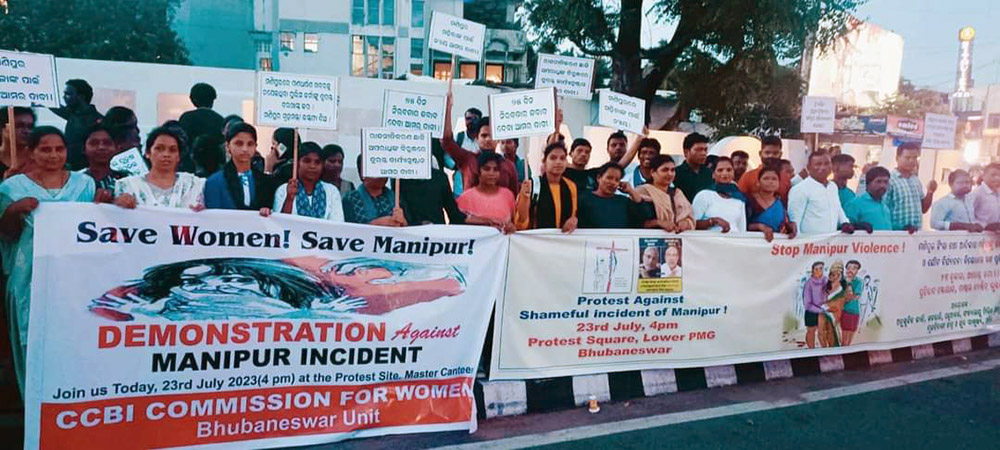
(494, 73)
(416, 48)
(372, 18)
(263, 46)
(994, 121)
(442, 70)
(388, 58)
(418, 14)
(265, 65)
(388, 12)
(373, 56)
(468, 71)
(287, 41)
(417, 69)
(310, 42)
(358, 12)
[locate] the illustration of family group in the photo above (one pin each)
(832, 301)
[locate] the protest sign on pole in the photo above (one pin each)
(224, 329)
(28, 79)
(456, 36)
(939, 131)
(818, 114)
(413, 111)
(296, 101)
(130, 161)
(572, 77)
(523, 113)
(601, 301)
(400, 154)
(621, 112)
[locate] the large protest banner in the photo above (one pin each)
(605, 301)
(28, 79)
(298, 101)
(162, 328)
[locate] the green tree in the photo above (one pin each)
(912, 102)
(119, 30)
(743, 37)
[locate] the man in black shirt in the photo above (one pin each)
(202, 119)
(80, 115)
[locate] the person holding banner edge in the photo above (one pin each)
(46, 181)
(551, 200)
(673, 210)
(238, 185)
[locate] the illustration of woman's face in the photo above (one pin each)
(229, 284)
(818, 271)
(835, 276)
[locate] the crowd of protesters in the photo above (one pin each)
(206, 161)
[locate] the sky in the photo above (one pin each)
(930, 37)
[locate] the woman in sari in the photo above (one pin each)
(163, 185)
(767, 213)
(46, 181)
(721, 207)
(551, 200)
(836, 297)
(307, 195)
(673, 211)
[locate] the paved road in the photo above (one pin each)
(961, 412)
(949, 402)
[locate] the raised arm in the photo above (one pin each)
(633, 149)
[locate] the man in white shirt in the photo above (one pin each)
(814, 203)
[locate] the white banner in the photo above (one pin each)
(296, 101)
(28, 79)
(621, 112)
(413, 111)
(939, 131)
(457, 36)
(130, 161)
(523, 113)
(818, 114)
(572, 77)
(166, 328)
(603, 301)
(390, 153)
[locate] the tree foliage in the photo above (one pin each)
(119, 30)
(735, 47)
(912, 102)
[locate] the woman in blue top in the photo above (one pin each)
(767, 213)
(46, 180)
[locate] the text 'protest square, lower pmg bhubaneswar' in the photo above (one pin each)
(390, 153)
